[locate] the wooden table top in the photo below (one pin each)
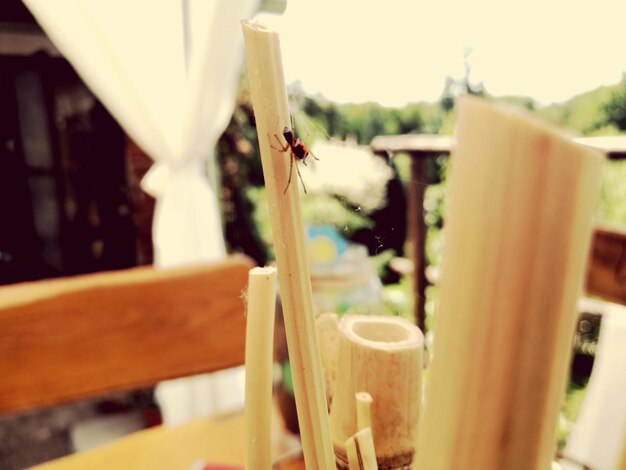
(209, 440)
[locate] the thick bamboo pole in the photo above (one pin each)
(521, 201)
(269, 98)
(259, 357)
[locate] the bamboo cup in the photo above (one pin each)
(519, 218)
(381, 355)
(269, 99)
(259, 350)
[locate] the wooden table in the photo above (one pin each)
(211, 440)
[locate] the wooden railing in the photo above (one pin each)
(606, 272)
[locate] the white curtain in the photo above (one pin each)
(599, 434)
(168, 71)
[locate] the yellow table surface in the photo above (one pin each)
(212, 440)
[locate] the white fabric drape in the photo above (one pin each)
(598, 435)
(167, 71)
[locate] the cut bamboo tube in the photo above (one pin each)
(383, 356)
(269, 99)
(363, 410)
(259, 355)
(360, 451)
(518, 226)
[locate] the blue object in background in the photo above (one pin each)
(325, 245)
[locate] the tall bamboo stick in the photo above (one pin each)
(259, 351)
(521, 200)
(269, 98)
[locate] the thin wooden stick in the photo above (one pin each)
(360, 451)
(363, 410)
(519, 218)
(269, 98)
(259, 351)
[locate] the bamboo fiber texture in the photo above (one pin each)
(518, 226)
(269, 98)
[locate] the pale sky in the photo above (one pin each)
(399, 51)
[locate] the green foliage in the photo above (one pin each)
(365, 121)
(582, 114)
(326, 209)
(397, 299)
(569, 413)
(612, 207)
(615, 108)
(261, 215)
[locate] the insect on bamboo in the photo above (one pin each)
(298, 151)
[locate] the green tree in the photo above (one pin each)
(615, 109)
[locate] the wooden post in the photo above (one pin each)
(420, 148)
(416, 228)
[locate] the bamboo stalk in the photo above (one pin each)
(383, 356)
(363, 410)
(360, 451)
(259, 352)
(269, 98)
(521, 201)
(327, 325)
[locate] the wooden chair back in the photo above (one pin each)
(606, 268)
(76, 337)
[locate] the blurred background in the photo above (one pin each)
(70, 194)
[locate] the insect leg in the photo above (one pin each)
(311, 153)
(300, 176)
(280, 148)
(291, 163)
